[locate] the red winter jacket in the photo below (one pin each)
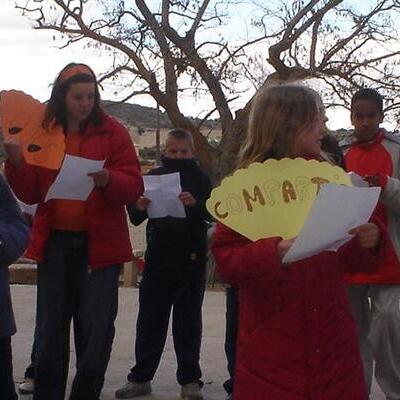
(108, 235)
(297, 339)
(381, 156)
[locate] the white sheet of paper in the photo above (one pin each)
(73, 182)
(163, 191)
(335, 211)
(29, 209)
(357, 180)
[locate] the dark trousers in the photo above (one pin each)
(232, 316)
(30, 369)
(160, 290)
(68, 290)
(7, 387)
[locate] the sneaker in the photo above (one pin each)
(191, 391)
(133, 389)
(27, 386)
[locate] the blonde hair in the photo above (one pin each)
(278, 115)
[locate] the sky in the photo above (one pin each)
(30, 61)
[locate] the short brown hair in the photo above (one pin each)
(180, 134)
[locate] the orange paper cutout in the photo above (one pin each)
(22, 116)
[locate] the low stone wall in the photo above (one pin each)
(24, 272)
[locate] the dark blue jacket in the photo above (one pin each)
(14, 233)
(179, 242)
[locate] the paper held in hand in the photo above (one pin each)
(73, 182)
(163, 192)
(335, 211)
(357, 180)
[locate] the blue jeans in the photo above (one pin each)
(7, 387)
(68, 290)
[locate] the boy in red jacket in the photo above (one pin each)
(375, 297)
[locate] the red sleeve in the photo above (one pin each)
(353, 258)
(240, 260)
(126, 183)
(24, 182)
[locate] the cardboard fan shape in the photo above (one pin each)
(272, 198)
(21, 116)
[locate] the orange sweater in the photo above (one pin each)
(69, 215)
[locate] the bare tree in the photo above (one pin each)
(177, 45)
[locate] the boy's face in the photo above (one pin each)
(366, 118)
(178, 148)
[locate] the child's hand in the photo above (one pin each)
(187, 199)
(284, 246)
(379, 180)
(100, 178)
(368, 235)
(13, 148)
(142, 203)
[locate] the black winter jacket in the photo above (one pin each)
(14, 235)
(176, 242)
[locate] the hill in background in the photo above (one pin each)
(141, 117)
(141, 122)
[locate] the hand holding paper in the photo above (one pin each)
(377, 180)
(163, 192)
(100, 178)
(13, 148)
(187, 199)
(368, 235)
(284, 246)
(143, 203)
(336, 210)
(73, 182)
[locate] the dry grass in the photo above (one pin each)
(148, 139)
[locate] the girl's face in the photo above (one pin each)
(79, 101)
(308, 142)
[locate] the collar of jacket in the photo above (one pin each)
(180, 164)
(376, 140)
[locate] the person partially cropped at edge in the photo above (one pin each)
(297, 338)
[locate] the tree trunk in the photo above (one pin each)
(220, 162)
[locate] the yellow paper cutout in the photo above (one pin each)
(22, 116)
(272, 198)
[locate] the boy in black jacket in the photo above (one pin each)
(174, 276)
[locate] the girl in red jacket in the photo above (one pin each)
(297, 338)
(79, 245)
